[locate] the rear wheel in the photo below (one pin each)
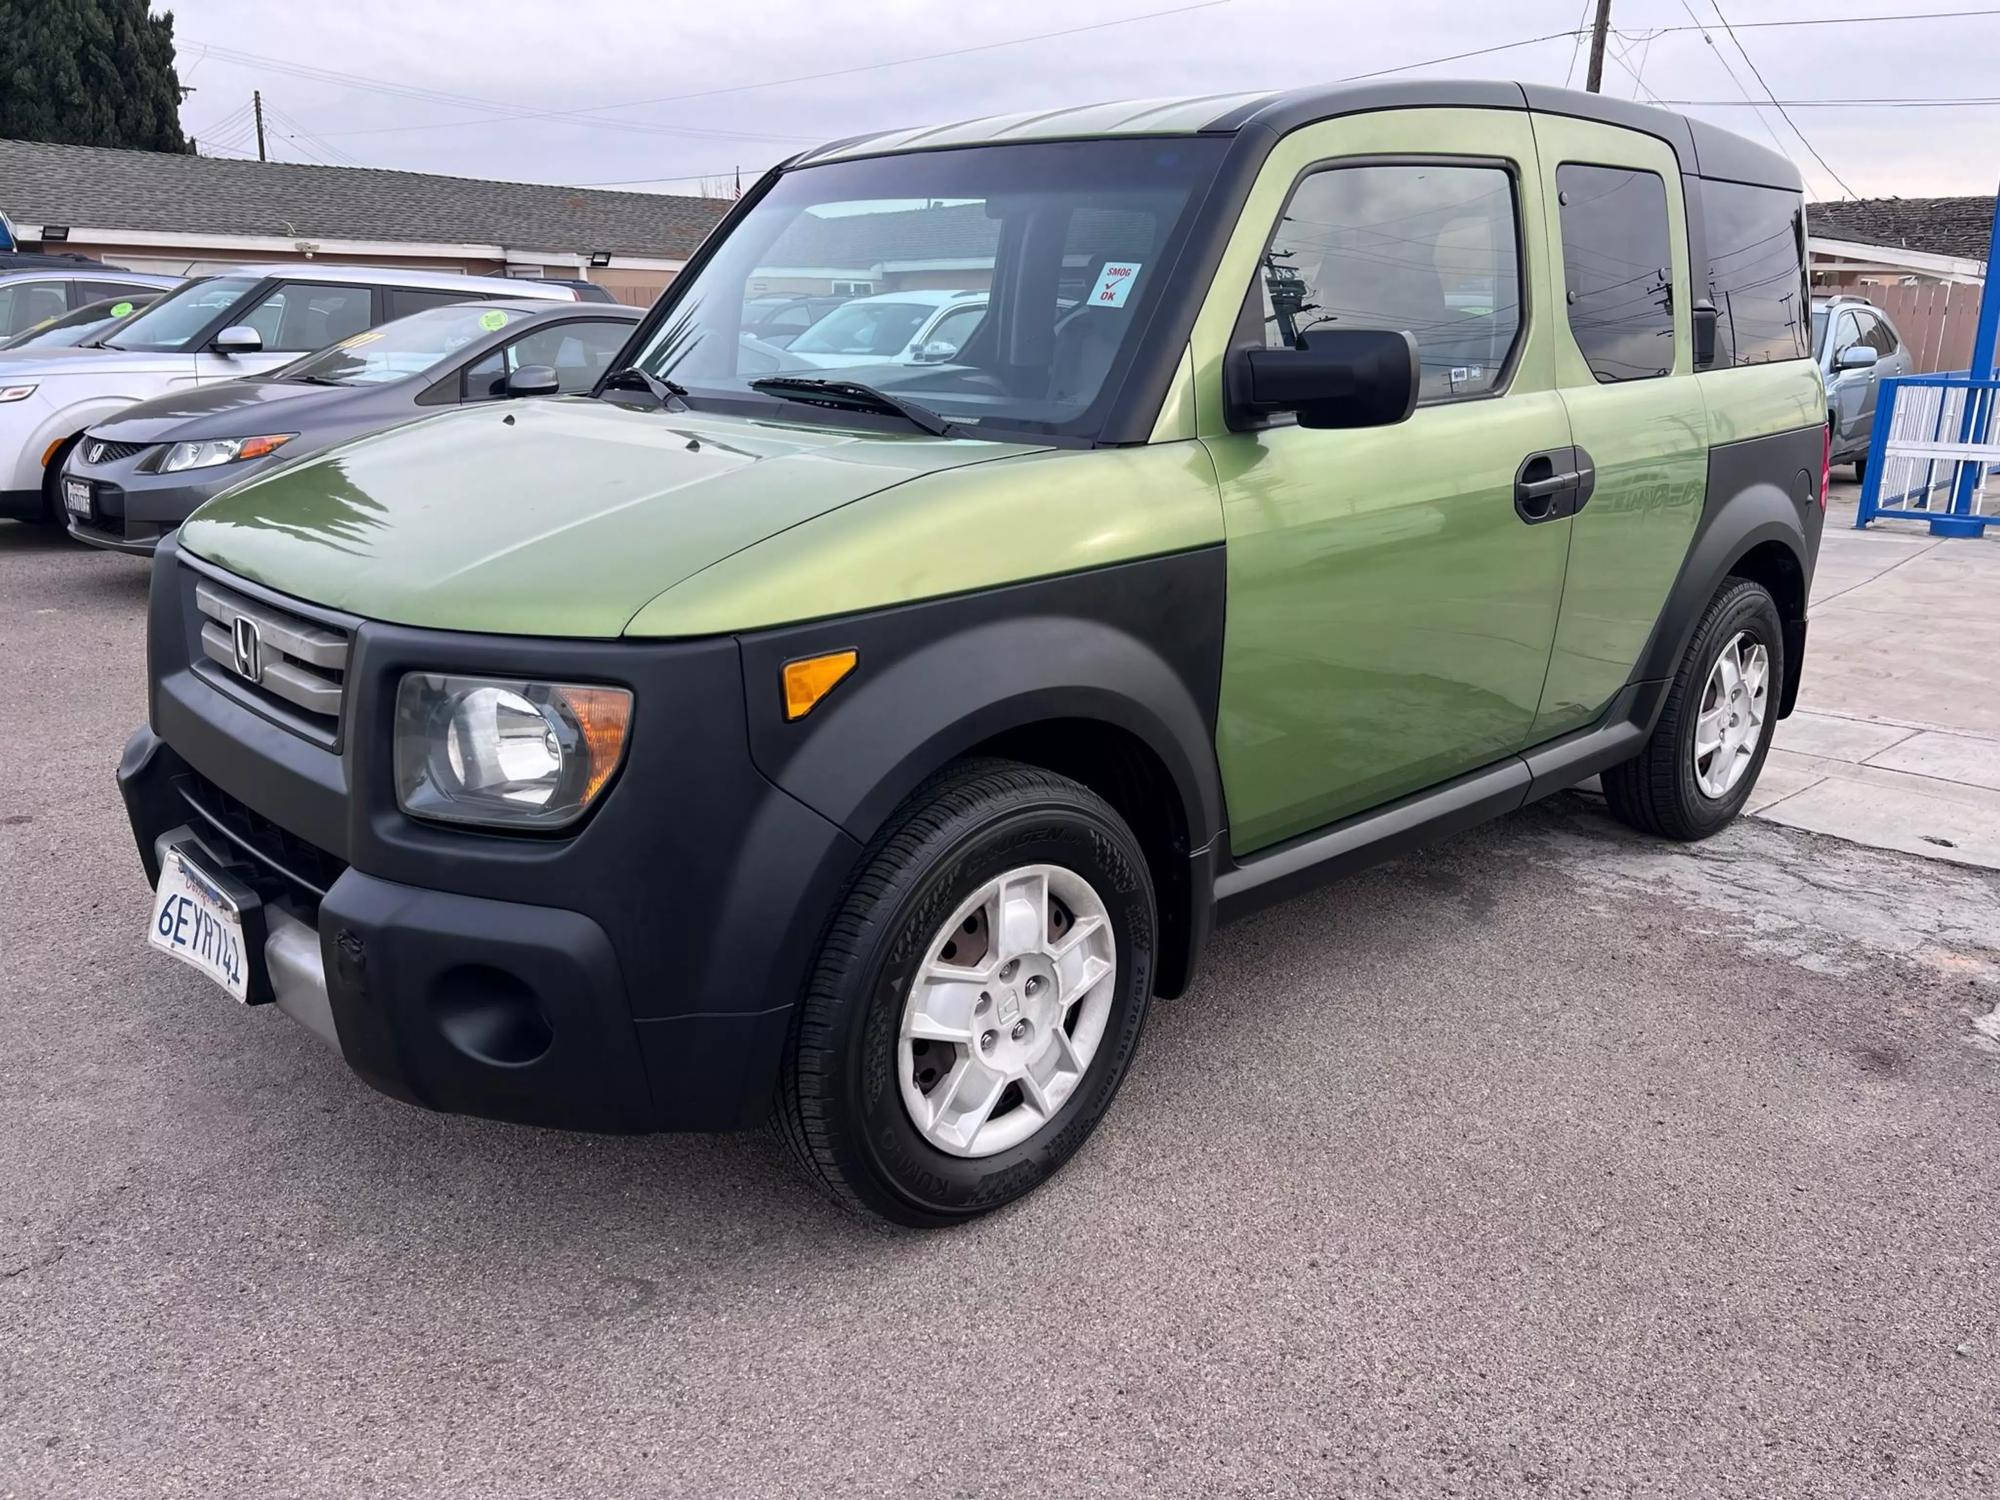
(1860, 471)
(1705, 753)
(977, 1001)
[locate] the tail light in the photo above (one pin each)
(1825, 463)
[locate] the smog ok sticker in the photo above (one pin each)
(1114, 283)
(120, 309)
(493, 321)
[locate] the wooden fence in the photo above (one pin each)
(1936, 320)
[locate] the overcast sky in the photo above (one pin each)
(658, 96)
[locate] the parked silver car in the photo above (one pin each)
(1856, 346)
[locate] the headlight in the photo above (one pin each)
(212, 451)
(505, 754)
(15, 393)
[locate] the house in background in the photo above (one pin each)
(1921, 260)
(155, 211)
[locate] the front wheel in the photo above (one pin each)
(978, 998)
(1697, 770)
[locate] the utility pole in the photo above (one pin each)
(257, 95)
(1594, 80)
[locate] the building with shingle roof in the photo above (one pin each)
(149, 210)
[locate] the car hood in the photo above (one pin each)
(35, 364)
(236, 408)
(561, 518)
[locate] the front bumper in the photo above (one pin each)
(638, 975)
(131, 511)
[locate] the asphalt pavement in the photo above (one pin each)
(1553, 1162)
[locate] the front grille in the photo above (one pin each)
(301, 872)
(99, 451)
(295, 668)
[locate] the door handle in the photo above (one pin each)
(1554, 483)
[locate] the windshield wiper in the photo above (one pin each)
(671, 394)
(855, 396)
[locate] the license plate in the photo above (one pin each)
(76, 498)
(198, 924)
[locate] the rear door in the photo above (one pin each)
(1624, 361)
(1392, 599)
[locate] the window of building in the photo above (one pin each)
(1618, 269)
(1756, 272)
(1431, 249)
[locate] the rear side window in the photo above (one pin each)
(1618, 269)
(1429, 249)
(1756, 272)
(1880, 336)
(404, 300)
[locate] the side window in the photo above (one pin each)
(406, 300)
(954, 328)
(1846, 334)
(1881, 337)
(1430, 249)
(97, 291)
(1756, 274)
(299, 317)
(26, 303)
(1618, 269)
(578, 352)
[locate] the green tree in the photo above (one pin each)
(89, 73)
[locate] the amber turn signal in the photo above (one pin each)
(811, 678)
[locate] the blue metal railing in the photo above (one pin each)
(1935, 442)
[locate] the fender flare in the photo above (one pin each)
(866, 749)
(1737, 519)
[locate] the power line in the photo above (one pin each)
(1968, 101)
(1922, 15)
(1747, 58)
(1576, 47)
(1735, 82)
(510, 112)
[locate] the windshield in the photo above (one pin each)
(72, 328)
(409, 346)
(177, 317)
(1003, 287)
(1819, 330)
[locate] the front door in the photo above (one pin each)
(1392, 591)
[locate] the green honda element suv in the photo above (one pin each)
(860, 737)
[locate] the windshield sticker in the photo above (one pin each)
(1114, 283)
(493, 322)
(355, 341)
(119, 309)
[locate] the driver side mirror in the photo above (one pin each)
(533, 380)
(1858, 357)
(937, 352)
(240, 338)
(1343, 377)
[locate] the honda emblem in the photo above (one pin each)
(249, 649)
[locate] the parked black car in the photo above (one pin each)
(138, 475)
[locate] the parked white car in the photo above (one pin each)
(235, 323)
(901, 328)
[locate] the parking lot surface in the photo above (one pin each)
(1552, 1162)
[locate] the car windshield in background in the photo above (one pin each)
(1003, 287)
(73, 328)
(169, 323)
(398, 350)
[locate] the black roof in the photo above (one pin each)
(161, 192)
(1938, 226)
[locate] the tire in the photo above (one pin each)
(1660, 790)
(851, 1084)
(52, 506)
(1860, 471)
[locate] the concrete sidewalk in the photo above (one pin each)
(1896, 741)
